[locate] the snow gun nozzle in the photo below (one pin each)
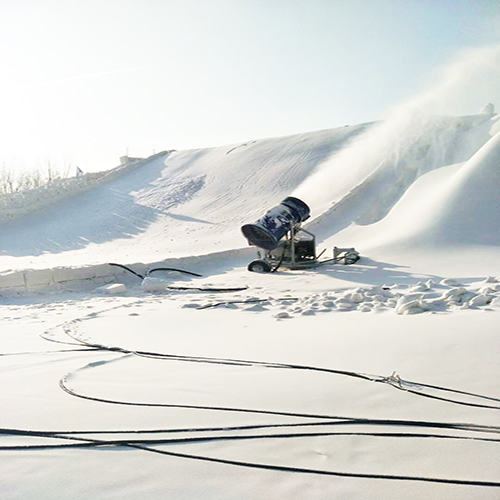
(267, 232)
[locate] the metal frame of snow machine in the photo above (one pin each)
(298, 251)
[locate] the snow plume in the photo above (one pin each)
(417, 136)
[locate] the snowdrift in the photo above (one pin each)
(470, 206)
(455, 206)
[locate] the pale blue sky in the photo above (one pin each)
(85, 80)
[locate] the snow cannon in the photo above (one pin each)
(267, 232)
(283, 242)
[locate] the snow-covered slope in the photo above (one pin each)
(455, 206)
(364, 181)
(182, 203)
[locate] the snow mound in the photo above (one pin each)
(454, 206)
(470, 209)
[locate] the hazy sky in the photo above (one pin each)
(85, 81)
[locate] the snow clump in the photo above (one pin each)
(446, 296)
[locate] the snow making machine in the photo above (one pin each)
(283, 242)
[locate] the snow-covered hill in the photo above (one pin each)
(187, 202)
(193, 203)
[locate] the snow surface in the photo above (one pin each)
(377, 380)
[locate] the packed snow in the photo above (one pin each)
(140, 358)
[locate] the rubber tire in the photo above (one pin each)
(259, 266)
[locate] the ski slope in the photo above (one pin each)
(192, 203)
(185, 203)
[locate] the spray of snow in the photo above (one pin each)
(415, 132)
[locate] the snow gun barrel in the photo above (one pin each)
(275, 224)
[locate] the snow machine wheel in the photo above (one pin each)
(259, 266)
(351, 258)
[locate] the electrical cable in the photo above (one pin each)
(180, 288)
(126, 269)
(401, 384)
(83, 439)
(154, 270)
(172, 269)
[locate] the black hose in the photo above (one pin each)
(153, 270)
(207, 289)
(144, 444)
(172, 269)
(126, 269)
(275, 268)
